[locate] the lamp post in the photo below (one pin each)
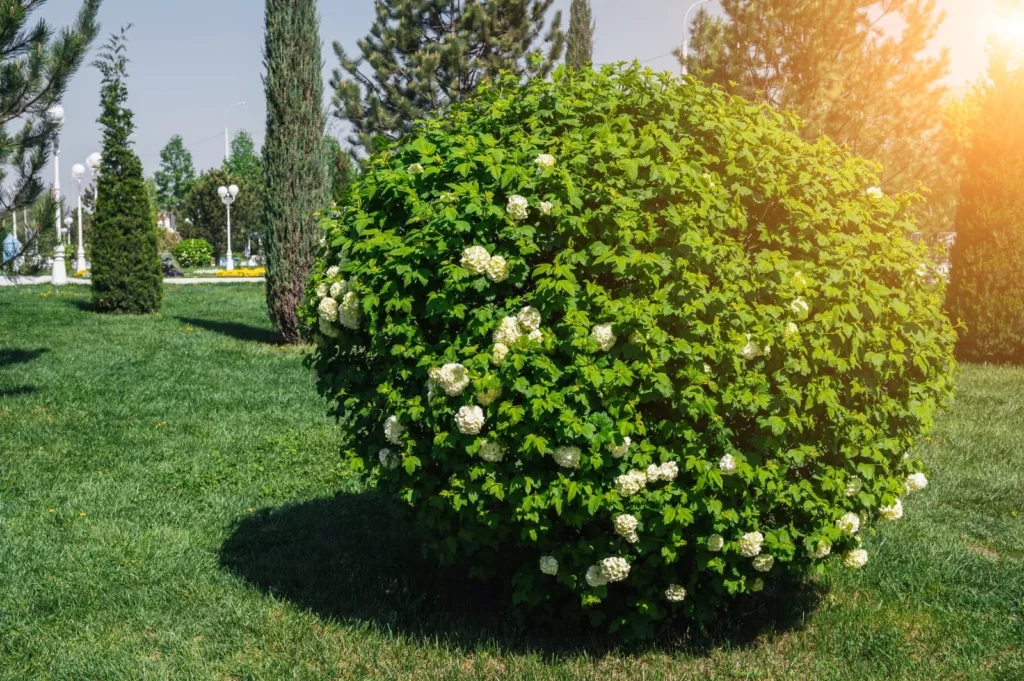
(59, 275)
(227, 142)
(93, 162)
(686, 32)
(78, 172)
(227, 197)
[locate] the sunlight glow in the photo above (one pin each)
(1009, 28)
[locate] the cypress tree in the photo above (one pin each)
(295, 173)
(422, 55)
(126, 272)
(579, 50)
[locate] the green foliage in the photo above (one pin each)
(244, 161)
(35, 68)
(206, 216)
(579, 50)
(126, 272)
(293, 156)
(766, 307)
(986, 290)
(194, 253)
(341, 170)
(175, 177)
(423, 55)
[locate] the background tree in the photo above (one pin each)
(579, 49)
(422, 55)
(244, 161)
(245, 166)
(126, 273)
(175, 177)
(341, 170)
(293, 156)
(847, 69)
(206, 217)
(986, 291)
(35, 68)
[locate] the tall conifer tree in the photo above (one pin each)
(579, 49)
(422, 55)
(293, 155)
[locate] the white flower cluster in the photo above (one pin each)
(849, 524)
(453, 378)
(518, 207)
(499, 353)
(665, 472)
(348, 311)
(855, 559)
(893, 512)
(491, 452)
(328, 309)
(750, 544)
(630, 483)
(415, 169)
(393, 430)
(792, 329)
(603, 336)
(715, 543)
(800, 307)
(389, 459)
(487, 397)
(333, 271)
(764, 562)
(854, 486)
(875, 192)
(751, 350)
(915, 482)
(619, 451)
(508, 332)
(470, 420)
(728, 465)
(548, 565)
(675, 593)
(478, 261)
(527, 321)
(822, 549)
(545, 207)
(322, 289)
(545, 161)
(613, 569)
(568, 457)
(625, 527)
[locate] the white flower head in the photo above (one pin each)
(348, 311)
(603, 336)
(415, 169)
(328, 309)
(715, 543)
(536, 336)
(548, 565)
(518, 207)
(470, 420)
(764, 562)
(630, 483)
(707, 368)
(853, 487)
(666, 472)
(822, 548)
(545, 207)
(619, 451)
(849, 524)
(497, 269)
(893, 512)
(568, 457)
(338, 289)
(389, 459)
(792, 329)
(508, 332)
(529, 319)
(475, 259)
(393, 430)
(750, 544)
(333, 271)
(625, 527)
(453, 379)
(915, 482)
(728, 465)
(800, 307)
(487, 397)
(498, 354)
(615, 569)
(750, 350)
(328, 330)
(675, 593)
(855, 559)
(875, 192)
(545, 161)
(492, 452)
(595, 576)
(322, 290)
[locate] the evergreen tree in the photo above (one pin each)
(986, 291)
(244, 162)
(126, 272)
(422, 55)
(579, 49)
(206, 216)
(175, 177)
(293, 156)
(845, 68)
(35, 69)
(341, 171)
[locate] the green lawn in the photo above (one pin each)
(172, 506)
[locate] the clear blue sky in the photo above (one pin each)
(193, 58)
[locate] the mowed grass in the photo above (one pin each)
(172, 506)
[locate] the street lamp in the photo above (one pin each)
(78, 172)
(227, 143)
(686, 32)
(93, 162)
(59, 274)
(227, 197)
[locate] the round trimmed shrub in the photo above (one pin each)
(630, 343)
(194, 253)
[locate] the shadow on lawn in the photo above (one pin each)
(352, 558)
(12, 356)
(243, 332)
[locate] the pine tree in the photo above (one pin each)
(579, 49)
(175, 177)
(35, 69)
(845, 68)
(126, 272)
(422, 55)
(293, 156)
(986, 291)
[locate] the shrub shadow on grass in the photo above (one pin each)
(353, 559)
(12, 356)
(242, 332)
(18, 391)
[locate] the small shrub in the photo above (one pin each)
(194, 253)
(631, 340)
